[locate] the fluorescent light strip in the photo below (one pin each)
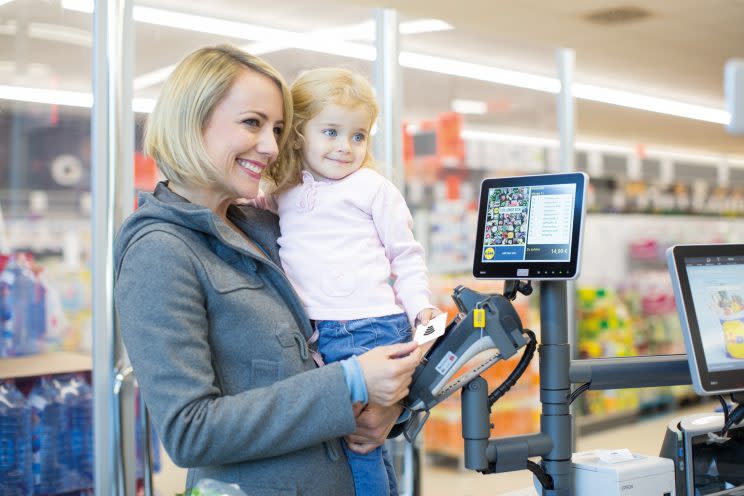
(473, 107)
(318, 42)
(479, 72)
(650, 103)
(517, 139)
(61, 34)
(79, 99)
(211, 25)
(51, 97)
(79, 5)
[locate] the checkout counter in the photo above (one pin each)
(530, 230)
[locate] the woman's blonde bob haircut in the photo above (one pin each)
(174, 132)
(312, 91)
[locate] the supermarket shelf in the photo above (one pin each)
(58, 362)
(589, 424)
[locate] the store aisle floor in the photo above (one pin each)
(644, 437)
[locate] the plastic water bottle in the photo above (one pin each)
(46, 422)
(36, 317)
(15, 442)
(7, 339)
(27, 297)
(76, 454)
(67, 394)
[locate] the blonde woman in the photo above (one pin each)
(217, 336)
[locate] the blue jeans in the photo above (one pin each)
(373, 473)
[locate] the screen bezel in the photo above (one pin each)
(704, 381)
(536, 270)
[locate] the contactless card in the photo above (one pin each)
(431, 330)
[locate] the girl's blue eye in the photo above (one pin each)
(359, 137)
(330, 132)
(251, 122)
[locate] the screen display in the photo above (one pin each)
(717, 290)
(717, 467)
(529, 223)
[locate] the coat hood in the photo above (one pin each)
(165, 206)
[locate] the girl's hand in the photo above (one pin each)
(425, 315)
(387, 371)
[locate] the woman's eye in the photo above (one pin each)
(330, 132)
(359, 137)
(251, 122)
(278, 131)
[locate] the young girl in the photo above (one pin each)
(345, 232)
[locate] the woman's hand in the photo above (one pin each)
(387, 371)
(373, 426)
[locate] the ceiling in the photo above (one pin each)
(678, 51)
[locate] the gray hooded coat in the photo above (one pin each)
(217, 338)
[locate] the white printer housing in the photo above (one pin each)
(596, 473)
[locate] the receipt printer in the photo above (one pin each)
(621, 473)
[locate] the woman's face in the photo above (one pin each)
(241, 134)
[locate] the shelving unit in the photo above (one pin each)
(58, 362)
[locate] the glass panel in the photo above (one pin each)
(461, 129)
(45, 241)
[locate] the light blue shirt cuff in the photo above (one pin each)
(355, 380)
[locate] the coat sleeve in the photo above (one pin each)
(164, 325)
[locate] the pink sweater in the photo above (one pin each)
(341, 243)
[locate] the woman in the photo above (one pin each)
(220, 343)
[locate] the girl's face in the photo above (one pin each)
(241, 134)
(336, 141)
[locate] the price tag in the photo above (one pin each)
(479, 318)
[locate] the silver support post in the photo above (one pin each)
(555, 386)
(112, 158)
(566, 62)
(388, 143)
(388, 150)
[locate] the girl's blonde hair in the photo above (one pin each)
(174, 131)
(312, 91)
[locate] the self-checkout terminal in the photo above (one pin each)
(530, 229)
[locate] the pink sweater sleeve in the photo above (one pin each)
(395, 227)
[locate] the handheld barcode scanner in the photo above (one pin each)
(485, 323)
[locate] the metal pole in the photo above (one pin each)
(112, 148)
(388, 150)
(566, 62)
(555, 359)
(388, 142)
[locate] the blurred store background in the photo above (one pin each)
(478, 100)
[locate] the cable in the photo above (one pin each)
(736, 416)
(725, 408)
(577, 392)
(545, 479)
(529, 352)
